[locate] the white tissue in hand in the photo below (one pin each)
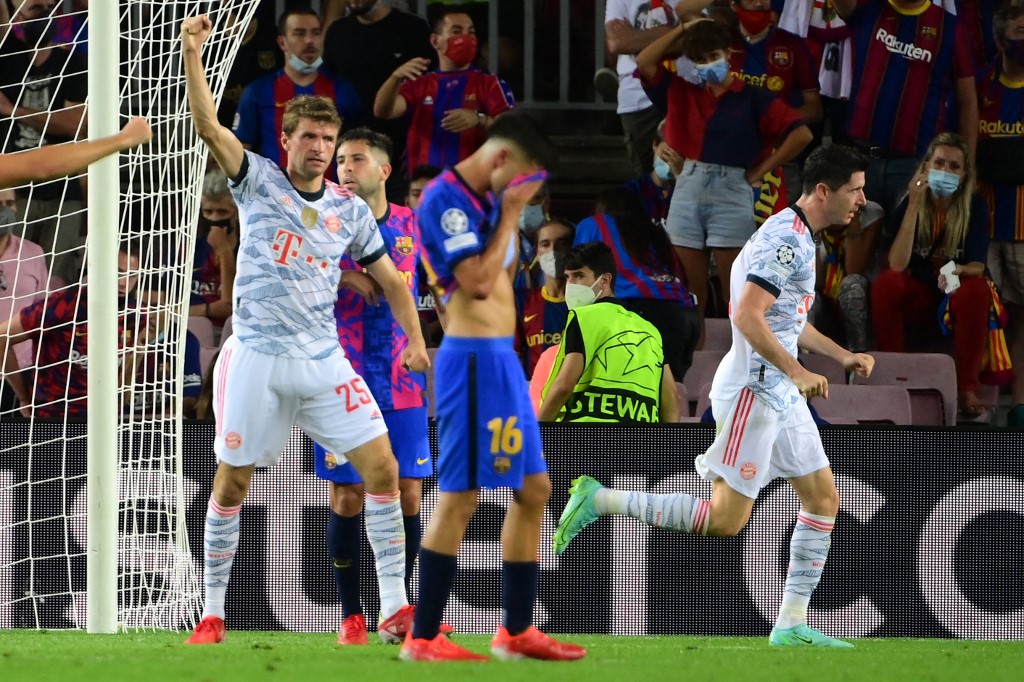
(952, 281)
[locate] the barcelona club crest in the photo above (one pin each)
(502, 465)
(403, 244)
(309, 216)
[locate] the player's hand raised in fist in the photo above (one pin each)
(195, 30)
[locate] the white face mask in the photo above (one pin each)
(578, 295)
(549, 264)
(302, 67)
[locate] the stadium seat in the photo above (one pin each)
(861, 404)
(55, 283)
(202, 327)
(684, 404)
(225, 332)
(826, 367)
(930, 378)
(717, 333)
(703, 401)
(701, 372)
(206, 356)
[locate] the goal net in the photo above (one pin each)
(44, 508)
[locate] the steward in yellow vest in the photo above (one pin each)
(610, 365)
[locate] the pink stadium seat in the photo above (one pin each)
(862, 404)
(206, 355)
(202, 327)
(930, 378)
(55, 283)
(717, 333)
(226, 330)
(826, 367)
(703, 400)
(701, 372)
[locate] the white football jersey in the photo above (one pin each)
(290, 246)
(780, 258)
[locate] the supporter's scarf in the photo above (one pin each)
(996, 368)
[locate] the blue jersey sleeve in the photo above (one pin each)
(451, 227)
(246, 125)
(586, 231)
(193, 371)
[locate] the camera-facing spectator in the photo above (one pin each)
(213, 270)
(1001, 178)
(731, 134)
(941, 219)
(543, 313)
(257, 123)
(451, 108)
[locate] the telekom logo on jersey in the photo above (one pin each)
(288, 247)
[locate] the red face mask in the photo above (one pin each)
(753, 21)
(461, 49)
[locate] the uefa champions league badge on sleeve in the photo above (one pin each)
(454, 221)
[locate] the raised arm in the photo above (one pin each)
(226, 148)
(648, 59)
(54, 161)
(388, 103)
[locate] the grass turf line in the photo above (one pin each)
(247, 656)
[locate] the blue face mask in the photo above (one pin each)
(662, 169)
(531, 218)
(302, 67)
(942, 183)
(713, 72)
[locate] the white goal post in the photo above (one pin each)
(103, 543)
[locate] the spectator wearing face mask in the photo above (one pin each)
(654, 189)
(648, 276)
(213, 269)
(609, 366)
(257, 123)
(941, 220)
(451, 108)
(543, 312)
(731, 134)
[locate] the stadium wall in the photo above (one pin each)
(930, 541)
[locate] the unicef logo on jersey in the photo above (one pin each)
(454, 221)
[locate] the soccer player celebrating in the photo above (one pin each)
(765, 429)
(373, 342)
(284, 365)
(487, 433)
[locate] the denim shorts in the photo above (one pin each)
(712, 207)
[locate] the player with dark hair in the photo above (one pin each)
(765, 429)
(487, 432)
(374, 343)
(283, 365)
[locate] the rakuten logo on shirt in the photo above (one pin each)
(897, 46)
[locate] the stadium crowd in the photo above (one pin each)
(719, 101)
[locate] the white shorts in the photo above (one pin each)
(258, 397)
(756, 444)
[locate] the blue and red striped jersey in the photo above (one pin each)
(435, 93)
(904, 69)
(738, 128)
(61, 387)
(455, 223)
(370, 335)
(261, 111)
(1001, 115)
(634, 280)
(656, 200)
(780, 63)
(542, 319)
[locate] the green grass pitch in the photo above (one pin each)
(247, 656)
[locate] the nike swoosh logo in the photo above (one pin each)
(805, 640)
(422, 461)
(529, 317)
